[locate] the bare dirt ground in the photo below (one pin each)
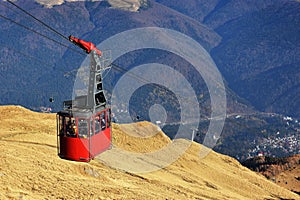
(290, 177)
(31, 169)
(284, 171)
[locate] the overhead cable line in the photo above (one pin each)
(28, 55)
(66, 74)
(46, 25)
(49, 27)
(6, 6)
(114, 66)
(121, 69)
(117, 67)
(38, 33)
(149, 83)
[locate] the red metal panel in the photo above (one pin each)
(74, 149)
(100, 142)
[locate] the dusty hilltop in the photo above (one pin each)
(31, 169)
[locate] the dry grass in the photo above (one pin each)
(31, 169)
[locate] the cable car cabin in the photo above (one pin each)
(84, 125)
(82, 135)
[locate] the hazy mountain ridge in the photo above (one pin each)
(89, 20)
(252, 52)
(257, 37)
(262, 57)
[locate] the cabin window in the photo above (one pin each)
(91, 128)
(70, 127)
(83, 128)
(97, 124)
(61, 126)
(108, 118)
(103, 121)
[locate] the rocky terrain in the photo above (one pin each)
(127, 5)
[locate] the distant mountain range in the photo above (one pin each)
(259, 51)
(255, 45)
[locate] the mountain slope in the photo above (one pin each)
(254, 44)
(283, 171)
(31, 169)
(259, 51)
(259, 56)
(26, 54)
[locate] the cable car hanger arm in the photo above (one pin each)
(86, 46)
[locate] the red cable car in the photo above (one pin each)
(82, 135)
(84, 125)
